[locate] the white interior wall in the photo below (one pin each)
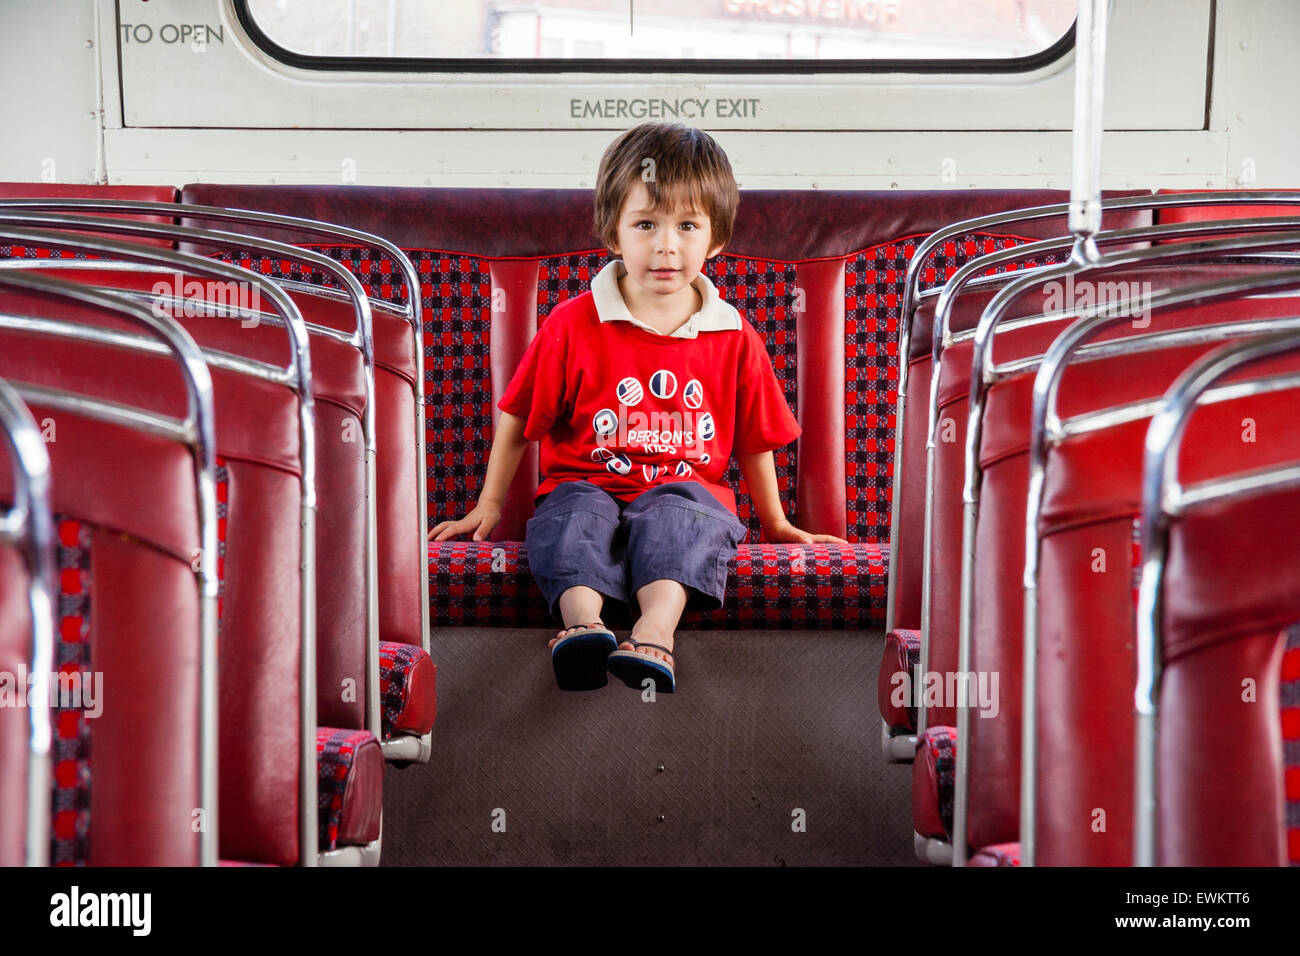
(228, 114)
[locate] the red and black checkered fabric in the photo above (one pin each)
(1290, 705)
(566, 277)
(873, 287)
(334, 754)
(396, 662)
(455, 293)
(12, 251)
(70, 823)
(763, 292)
(223, 515)
(941, 743)
(488, 584)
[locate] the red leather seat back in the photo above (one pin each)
(909, 486)
(946, 503)
(15, 658)
(257, 441)
(1177, 214)
(80, 191)
(338, 381)
(910, 472)
(998, 610)
(400, 537)
(1086, 605)
(126, 767)
(1227, 762)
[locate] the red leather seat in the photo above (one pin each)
(126, 765)
(338, 386)
(260, 479)
(82, 191)
(1085, 701)
(1085, 655)
(995, 741)
(1228, 752)
(15, 658)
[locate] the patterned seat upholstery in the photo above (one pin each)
(406, 689)
(349, 787)
(934, 773)
(902, 655)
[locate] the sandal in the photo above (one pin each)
(579, 656)
(633, 668)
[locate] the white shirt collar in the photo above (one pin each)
(715, 315)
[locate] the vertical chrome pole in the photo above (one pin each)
(1085, 223)
(1089, 92)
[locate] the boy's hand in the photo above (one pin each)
(485, 516)
(786, 533)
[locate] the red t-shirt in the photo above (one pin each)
(627, 409)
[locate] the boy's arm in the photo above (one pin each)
(508, 444)
(760, 477)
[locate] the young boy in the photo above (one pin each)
(639, 391)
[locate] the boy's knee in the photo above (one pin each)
(572, 497)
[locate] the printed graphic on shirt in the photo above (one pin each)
(663, 384)
(640, 432)
(605, 422)
(629, 392)
(704, 424)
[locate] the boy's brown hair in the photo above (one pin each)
(686, 165)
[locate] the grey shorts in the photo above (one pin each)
(581, 534)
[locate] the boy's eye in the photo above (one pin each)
(690, 226)
(645, 223)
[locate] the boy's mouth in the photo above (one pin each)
(664, 273)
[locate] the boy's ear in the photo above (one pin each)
(715, 250)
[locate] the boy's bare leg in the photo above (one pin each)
(662, 602)
(579, 605)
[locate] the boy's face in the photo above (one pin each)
(663, 250)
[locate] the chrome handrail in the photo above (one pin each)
(1045, 428)
(300, 369)
(317, 227)
(198, 432)
(29, 525)
(943, 336)
(1161, 494)
(912, 293)
(364, 342)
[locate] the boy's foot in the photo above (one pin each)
(578, 656)
(645, 636)
(646, 655)
(569, 630)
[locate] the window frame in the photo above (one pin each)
(725, 67)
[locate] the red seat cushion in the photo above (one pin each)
(934, 773)
(350, 787)
(488, 584)
(407, 678)
(902, 654)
